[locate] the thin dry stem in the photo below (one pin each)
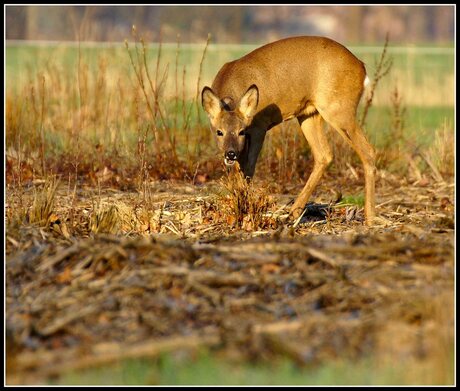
(198, 82)
(383, 66)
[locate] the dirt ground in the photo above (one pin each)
(179, 275)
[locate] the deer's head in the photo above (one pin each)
(229, 120)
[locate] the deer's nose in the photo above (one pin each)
(231, 155)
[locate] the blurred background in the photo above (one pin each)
(232, 24)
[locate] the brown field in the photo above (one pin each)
(177, 272)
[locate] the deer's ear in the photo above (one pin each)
(210, 102)
(249, 101)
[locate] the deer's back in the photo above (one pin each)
(293, 71)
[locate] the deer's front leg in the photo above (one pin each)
(248, 159)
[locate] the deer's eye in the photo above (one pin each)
(219, 133)
(242, 133)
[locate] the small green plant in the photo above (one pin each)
(357, 200)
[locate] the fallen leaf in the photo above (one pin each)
(64, 277)
(270, 268)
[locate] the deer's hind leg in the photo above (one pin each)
(344, 121)
(312, 128)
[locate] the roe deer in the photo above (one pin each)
(314, 79)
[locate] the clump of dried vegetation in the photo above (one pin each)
(442, 152)
(43, 203)
(244, 205)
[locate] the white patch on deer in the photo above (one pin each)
(366, 81)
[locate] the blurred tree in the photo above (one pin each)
(443, 24)
(417, 24)
(355, 24)
(15, 20)
(231, 23)
(32, 15)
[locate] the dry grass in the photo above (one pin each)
(339, 289)
(442, 151)
(429, 91)
(244, 205)
(80, 121)
(347, 293)
(43, 203)
(106, 219)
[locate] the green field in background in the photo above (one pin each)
(411, 68)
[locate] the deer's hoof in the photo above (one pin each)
(295, 214)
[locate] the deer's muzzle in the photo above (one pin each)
(230, 158)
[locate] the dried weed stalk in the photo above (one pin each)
(383, 67)
(170, 134)
(244, 204)
(140, 79)
(43, 203)
(394, 149)
(398, 115)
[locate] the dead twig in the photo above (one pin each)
(382, 68)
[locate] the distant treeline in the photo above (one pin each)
(232, 24)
